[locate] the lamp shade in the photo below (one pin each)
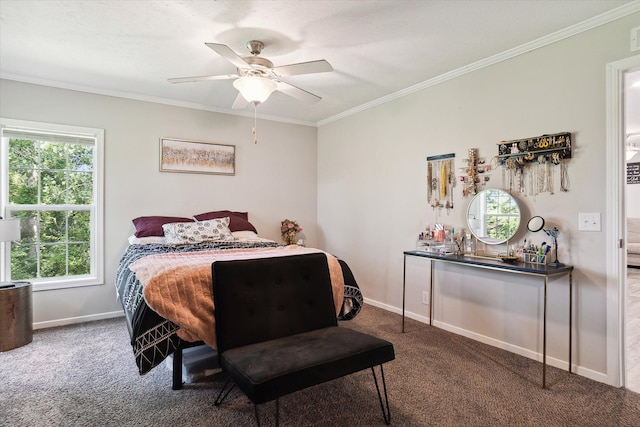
(9, 229)
(255, 89)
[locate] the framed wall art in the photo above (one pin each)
(178, 155)
(633, 173)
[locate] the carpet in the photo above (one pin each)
(85, 375)
(633, 281)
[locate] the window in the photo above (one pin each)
(52, 180)
(502, 214)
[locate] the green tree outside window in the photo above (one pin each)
(51, 189)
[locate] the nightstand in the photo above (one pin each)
(16, 315)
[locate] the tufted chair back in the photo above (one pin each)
(255, 299)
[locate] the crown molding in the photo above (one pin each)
(147, 98)
(573, 30)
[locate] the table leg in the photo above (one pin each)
(544, 337)
(570, 316)
(404, 279)
(431, 294)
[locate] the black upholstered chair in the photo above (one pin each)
(277, 331)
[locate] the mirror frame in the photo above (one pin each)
(471, 217)
(535, 229)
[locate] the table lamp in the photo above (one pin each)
(9, 231)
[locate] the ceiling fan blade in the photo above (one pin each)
(319, 66)
(240, 102)
(202, 78)
(296, 92)
(227, 53)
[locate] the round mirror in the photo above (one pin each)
(535, 224)
(493, 216)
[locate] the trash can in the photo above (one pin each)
(16, 315)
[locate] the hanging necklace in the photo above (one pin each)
(564, 177)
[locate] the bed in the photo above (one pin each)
(163, 280)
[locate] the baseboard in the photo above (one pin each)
(78, 319)
(530, 354)
(592, 375)
(551, 361)
(410, 315)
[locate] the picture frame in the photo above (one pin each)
(633, 173)
(188, 156)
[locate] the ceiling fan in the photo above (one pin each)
(257, 78)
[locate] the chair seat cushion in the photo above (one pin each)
(269, 369)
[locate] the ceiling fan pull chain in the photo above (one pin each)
(255, 135)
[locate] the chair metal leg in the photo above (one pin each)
(220, 397)
(386, 414)
(255, 410)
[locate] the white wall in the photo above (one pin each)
(633, 195)
(274, 179)
(372, 191)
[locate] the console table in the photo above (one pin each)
(540, 270)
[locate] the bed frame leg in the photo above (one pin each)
(177, 369)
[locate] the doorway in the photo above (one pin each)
(631, 104)
(616, 219)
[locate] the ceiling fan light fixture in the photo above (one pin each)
(255, 89)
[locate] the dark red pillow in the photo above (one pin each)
(238, 221)
(147, 226)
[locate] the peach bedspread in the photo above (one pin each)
(178, 286)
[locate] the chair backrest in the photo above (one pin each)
(262, 299)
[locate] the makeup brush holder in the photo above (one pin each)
(534, 257)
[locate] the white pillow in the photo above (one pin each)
(133, 240)
(249, 236)
(245, 235)
(177, 233)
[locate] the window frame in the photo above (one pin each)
(96, 276)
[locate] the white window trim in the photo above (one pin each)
(97, 242)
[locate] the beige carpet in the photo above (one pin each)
(85, 375)
(632, 344)
(633, 281)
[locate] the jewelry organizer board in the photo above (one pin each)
(440, 181)
(531, 166)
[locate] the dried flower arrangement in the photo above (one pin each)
(289, 229)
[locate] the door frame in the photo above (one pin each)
(616, 226)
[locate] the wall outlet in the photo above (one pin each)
(589, 221)
(425, 297)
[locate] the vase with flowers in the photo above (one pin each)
(289, 229)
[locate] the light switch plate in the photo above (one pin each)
(425, 297)
(589, 221)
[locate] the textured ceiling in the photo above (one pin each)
(377, 48)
